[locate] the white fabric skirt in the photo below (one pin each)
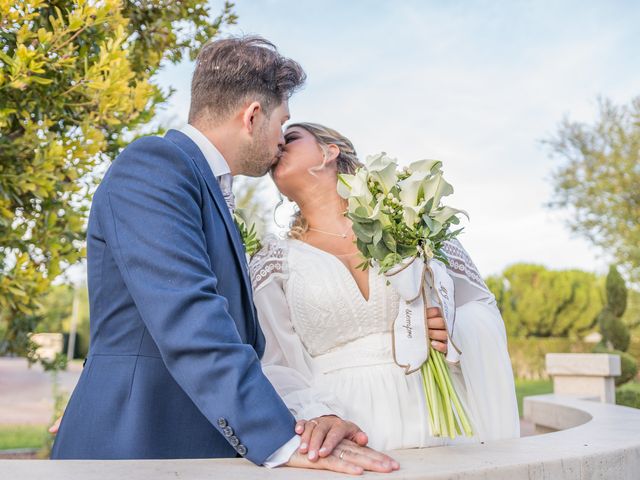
(390, 406)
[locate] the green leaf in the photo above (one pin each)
(361, 233)
(389, 241)
(41, 80)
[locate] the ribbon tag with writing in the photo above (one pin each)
(420, 285)
(410, 335)
(441, 294)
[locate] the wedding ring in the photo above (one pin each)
(342, 454)
(314, 422)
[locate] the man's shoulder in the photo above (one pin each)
(147, 159)
(153, 144)
(153, 151)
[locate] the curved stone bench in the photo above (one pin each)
(594, 440)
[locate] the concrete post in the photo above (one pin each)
(584, 374)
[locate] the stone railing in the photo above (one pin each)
(589, 439)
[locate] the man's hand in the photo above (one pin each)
(319, 436)
(437, 329)
(347, 457)
(53, 429)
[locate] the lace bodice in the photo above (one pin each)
(326, 307)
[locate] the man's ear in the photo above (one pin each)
(250, 115)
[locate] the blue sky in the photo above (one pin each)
(476, 84)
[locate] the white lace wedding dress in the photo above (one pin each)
(329, 350)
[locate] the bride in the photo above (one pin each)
(328, 324)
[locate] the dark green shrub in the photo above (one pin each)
(614, 332)
(628, 364)
(629, 395)
(616, 292)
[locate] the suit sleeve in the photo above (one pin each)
(151, 215)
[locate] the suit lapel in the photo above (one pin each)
(187, 145)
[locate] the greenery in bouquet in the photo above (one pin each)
(397, 213)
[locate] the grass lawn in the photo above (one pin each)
(525, 388)
(22, 436)
(632, 386)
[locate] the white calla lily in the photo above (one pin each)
(350, 186)
(411, 214)
(345, 182)
(383, 169)
(445, 213)
(410, 189)
(436, 187)
(425, 167)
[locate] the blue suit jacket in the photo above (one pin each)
(173, 369)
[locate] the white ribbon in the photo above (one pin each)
(421, 285)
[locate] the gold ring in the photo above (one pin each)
(342, 454)
(314, 422)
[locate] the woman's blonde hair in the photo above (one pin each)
(347, 163)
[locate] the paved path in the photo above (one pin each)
(26, 395)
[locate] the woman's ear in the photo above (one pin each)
(250, 115)
(332, 153)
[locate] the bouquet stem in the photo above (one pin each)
(446, 414)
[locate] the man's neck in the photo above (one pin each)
(223, 139)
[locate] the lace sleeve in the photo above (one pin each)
(460, 263)
(270, 262)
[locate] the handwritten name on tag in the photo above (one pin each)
(417, 283)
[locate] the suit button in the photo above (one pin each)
(233, 440)
(227, 431)
(241, 449)
(222, 422)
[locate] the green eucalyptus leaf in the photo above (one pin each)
(361, 233)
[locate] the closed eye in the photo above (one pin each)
(290, 138)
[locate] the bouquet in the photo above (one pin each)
(401, 225)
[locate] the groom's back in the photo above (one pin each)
(126, 404)
(116, 325)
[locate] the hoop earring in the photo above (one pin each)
(275, 210)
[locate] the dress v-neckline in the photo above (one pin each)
(346, 270)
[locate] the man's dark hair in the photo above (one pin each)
(234, 70)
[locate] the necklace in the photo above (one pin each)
(340, 235)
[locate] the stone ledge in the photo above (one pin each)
(601, 441)
(583, 364)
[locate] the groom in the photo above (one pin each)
(174, 365)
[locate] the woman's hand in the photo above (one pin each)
(347, 457)
(437, 329)
(321, 435)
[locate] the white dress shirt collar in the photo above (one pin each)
(216, 161)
